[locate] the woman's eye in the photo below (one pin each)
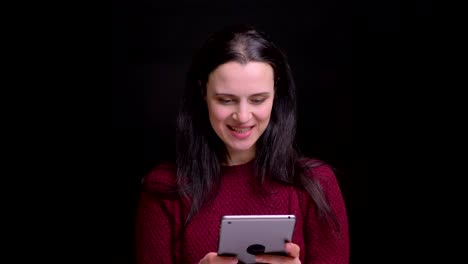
(258, 100)
(225, 100)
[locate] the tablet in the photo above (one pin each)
(245, 236)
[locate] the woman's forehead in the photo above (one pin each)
(233, 77)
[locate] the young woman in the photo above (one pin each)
(236, 155)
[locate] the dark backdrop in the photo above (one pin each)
(152, 46)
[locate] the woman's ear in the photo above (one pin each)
(202, 89)
(277, 79)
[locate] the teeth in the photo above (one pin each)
(240, 130)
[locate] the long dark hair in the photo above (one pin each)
(200, 151)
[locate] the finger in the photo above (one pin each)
(272, 259)
(225, 260)
(213, 257)
(292, 249)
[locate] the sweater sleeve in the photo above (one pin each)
(323, 244)
(155, 221)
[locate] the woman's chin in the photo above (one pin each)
(239, 148)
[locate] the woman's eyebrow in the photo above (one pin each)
(256, 94)
(261, 94)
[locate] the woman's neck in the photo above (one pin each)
(236, 158)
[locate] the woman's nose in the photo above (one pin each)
(243, 114)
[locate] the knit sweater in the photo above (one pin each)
(161, 237)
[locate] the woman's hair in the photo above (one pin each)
(200, 151)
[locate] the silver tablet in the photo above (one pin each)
(245, 236)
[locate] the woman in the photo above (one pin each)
(236, 155)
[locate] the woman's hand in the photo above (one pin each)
(292, 258)
(213, 258)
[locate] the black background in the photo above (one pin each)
(345, 59)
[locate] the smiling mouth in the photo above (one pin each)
(240, 130)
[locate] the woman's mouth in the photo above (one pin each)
(241, 132)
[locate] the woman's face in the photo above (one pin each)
(240, 99)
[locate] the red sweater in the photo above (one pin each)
(160, 217)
